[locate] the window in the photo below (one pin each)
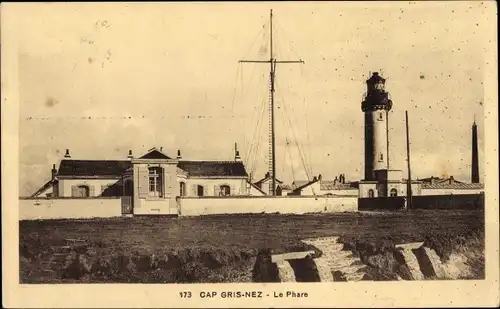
(83, 191)
(394, 192)
(199, 190)
(371, 193)
(182, 189)
(381, 157)
(155, 182)
(225, 190)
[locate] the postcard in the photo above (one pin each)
(238, 154)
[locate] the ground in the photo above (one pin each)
(215, 248)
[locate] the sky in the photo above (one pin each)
(100, 79)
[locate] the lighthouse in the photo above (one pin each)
(376, 106)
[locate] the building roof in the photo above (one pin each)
(307, 184)
(116, 168)
(299, 183)
(93, 168)
(439, 180)
(47, 185)
(266, 177)
(155, 154)
(213, 168)
(454, 185)
(326, 185)
(285, 187)
(257, 188)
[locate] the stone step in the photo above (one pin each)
(323, 239)
(292, 256)
(331, 246)
(285, 271)
(324, 270)
(341, 254)
(354, 276)
(350, 269)
(341, 263)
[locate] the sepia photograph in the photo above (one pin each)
(267, 142)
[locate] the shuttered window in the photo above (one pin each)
(155, 182)
(81, 191)
(200, 191)
(225, 190)
(182, 189)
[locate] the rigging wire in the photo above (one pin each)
(301, 155)
(307, 159)
(256, 156)
(256, 113)
(283, 33)
(283, 162)
(260, 33)
(287, 144)
(308, 144)
(306, 106)
(256, 141)
(231, 125)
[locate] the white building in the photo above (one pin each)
(152, 181)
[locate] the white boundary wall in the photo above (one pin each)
(196, 206)
(69, 208)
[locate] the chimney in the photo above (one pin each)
(161, 149)
(66, 155)
(452, 180)
(433, 180)
(54, 171)
(335, 180)
(130, 156)
(179, 154)
(475, 157)
(315, 178)
(267, 174)
(236, 153)
(319, 177)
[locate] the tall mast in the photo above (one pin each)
(272, 134)
(272, 189)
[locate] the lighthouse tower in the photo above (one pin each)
(376, 106)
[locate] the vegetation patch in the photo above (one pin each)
(225, 248)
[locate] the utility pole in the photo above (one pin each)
(475, 157)
(272, 136)
(408, 186)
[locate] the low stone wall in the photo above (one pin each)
(469, 201)
(195, 206)
(69, 208)
(382, 203)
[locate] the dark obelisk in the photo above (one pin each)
(475, 158)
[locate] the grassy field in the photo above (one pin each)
(123, 249)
